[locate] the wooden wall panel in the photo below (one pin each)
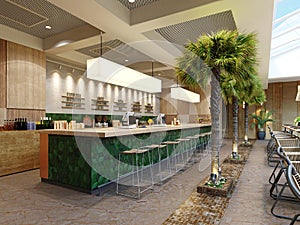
(19, 151)
(289, 105)
(30, 114)
(26, 77)
(275, 102)
(3, 81)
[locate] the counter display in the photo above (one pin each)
(87, 159)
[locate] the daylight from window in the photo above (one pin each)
(285, 44)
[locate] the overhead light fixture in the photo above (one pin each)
(182, 94)
(60, 66)
(131, 1)
(110, 72)
(298, 94)
(48, 27)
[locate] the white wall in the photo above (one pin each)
(61, 81)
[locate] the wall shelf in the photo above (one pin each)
(148, 108)
(136, 107)
(100, 104)
(72, 101)
(120, 106)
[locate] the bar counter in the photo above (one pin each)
(87, 159)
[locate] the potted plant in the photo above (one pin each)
(260, 121)
(297, 121)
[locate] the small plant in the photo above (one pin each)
(297, 120)
(261, 119)
(218, 184)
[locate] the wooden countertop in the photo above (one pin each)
(291, 127)
(114, 131)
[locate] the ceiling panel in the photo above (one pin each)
(181, 33)
(31, 17)
(136, 4)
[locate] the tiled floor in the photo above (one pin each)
(250, 202)
(25, 200)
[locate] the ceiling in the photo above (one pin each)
(146, 35)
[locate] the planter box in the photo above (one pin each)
(224, 191)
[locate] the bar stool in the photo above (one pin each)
(207, 137)
(184, 150)
(172, 155)
(135, 158)
(160, 168)
(193, 148)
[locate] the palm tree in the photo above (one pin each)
(254, 94)
(233, 90)
(217, 54)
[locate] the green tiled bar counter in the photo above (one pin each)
(88, 159)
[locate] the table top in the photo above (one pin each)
(291, 127)
(116, 131)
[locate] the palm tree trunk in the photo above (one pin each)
(215, 100)
(235, 134)
(246, 120)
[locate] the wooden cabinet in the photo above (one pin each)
(72, 101)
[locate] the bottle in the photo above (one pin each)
(16, 124)
(25, 123)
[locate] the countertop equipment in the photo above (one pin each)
(128, 120)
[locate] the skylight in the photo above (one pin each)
(285, 44)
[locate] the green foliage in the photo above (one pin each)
(262, 118)
(218, 184)
(234, 54)
(297, 119)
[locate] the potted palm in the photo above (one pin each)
(297, 121)
(260, 121)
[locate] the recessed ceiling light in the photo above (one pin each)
(48, 27)
(126, 60)
(158, 74)
(131, 1)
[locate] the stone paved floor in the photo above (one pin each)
(250, 202)
(25, 200)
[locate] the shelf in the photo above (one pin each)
(98, 100)
(71, 107)
(71, 97)
(100, 109)
(100, 104)
(70, 102)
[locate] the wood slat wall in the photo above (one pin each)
(3, 81)
(26, 77)
(19, 151)
(31, 114)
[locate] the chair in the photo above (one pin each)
(290, 182)
(288, 156)
(293, 180)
